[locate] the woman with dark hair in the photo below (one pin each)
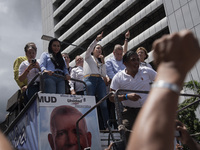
(52, 64)
(94, 71)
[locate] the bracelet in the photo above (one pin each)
(162, 84)
(126, 96)
(126, 39)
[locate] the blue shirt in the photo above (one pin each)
(113, 66)
(47, 64)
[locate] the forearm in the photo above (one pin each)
(120, 97)
(24, 75)
(161, 123)
(125, 46)
(127, 36)
(16, 77)
(170, 74)
(127, 96)
(90, 48)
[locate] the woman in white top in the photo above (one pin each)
(77, 88)
(94, 71)
(142, 54)
(28, 69)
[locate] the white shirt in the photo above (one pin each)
(145, 64)
(113, 66)
(140, 82)
(32, 73)
(91, 64)
(77, 73)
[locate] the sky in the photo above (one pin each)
(20, 23)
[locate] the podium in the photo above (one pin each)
(31, 129)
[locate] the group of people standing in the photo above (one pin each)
(125, 70)
(51, 64)
(154, 128)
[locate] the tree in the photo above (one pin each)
(188, 116)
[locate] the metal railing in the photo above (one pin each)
(24, 92)
(61, 76)
(20, 98)
(118, 111)
(85, 114)
(118, 107)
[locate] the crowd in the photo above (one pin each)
(125, 70)
(56, 73)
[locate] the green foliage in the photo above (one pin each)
(193, 85)
(188, 116)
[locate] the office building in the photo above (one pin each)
(80, 21)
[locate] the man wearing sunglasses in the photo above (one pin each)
(132, 77)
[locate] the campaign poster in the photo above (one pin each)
(24, 134)
(61, 124)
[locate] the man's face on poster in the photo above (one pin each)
(64, 135)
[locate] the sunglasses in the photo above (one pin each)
(79, 59)
(134, 59)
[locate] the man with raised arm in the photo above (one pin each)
(136, 78)
(114, 65)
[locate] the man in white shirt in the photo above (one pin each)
(132, 78)
(113, 66)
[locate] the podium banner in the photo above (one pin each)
(50, 123)
(24, 134)
(64, 110)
